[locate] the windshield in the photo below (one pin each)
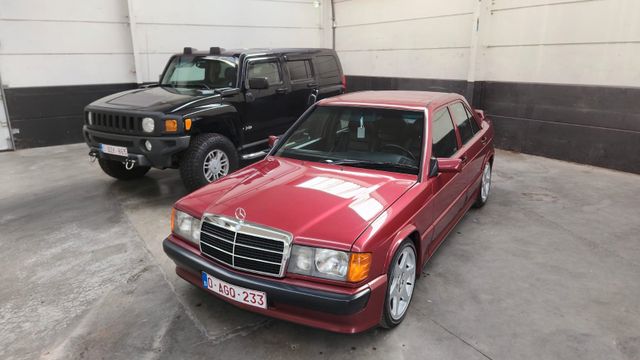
(202, 72)
(382, 139)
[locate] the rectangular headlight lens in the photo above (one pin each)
(186, 226)
(323, 263)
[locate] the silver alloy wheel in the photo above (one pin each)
(403, 276)
(485, 187)
(216, 165)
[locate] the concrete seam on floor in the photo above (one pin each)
(461, 339)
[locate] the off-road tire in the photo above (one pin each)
(117, 170)
(192, 162)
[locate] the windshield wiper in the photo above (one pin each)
(373, 164)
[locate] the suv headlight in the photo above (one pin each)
(148, 124)
(185, 226)
(329, 264)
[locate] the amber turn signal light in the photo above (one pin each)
(173, 216)
(171, 125)
(359, 266)
(187, 124)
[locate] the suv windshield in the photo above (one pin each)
(202, 72)
(383, 139)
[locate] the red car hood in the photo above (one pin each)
(320, 204)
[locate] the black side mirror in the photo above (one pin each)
(258, 83)
(433, 167)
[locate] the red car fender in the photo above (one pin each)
(395, 244)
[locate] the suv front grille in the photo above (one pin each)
(113, 122)
(245, 246)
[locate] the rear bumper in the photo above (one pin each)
(343, 310)
(160, 156)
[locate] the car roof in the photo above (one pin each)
(393, 98)
(265, 51)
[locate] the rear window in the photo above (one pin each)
(300, 70)
(464, 121)
(327, 67)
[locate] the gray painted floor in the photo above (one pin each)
(549, 269)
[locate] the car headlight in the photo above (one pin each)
(90, 118)
(148, 124)
(329, 264)
(185, 226)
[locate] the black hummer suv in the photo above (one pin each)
(209, 111)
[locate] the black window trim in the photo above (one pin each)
(260, 60)
(305, 80)
(455, 129)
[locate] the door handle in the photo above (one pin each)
(484, 140)
(281, 91)
(313, 84)
(463, 158)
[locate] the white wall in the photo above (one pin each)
(549, 41)
(70, 42)
(568, 42)
(44, 43)
(404, 38)
(166, 26)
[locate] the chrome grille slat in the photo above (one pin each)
(245, 246)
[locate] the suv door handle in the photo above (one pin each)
(281, 91)
(313, 84)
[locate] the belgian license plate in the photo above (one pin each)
(237, 293)
(114, 150)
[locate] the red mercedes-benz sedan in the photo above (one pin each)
(332, 228)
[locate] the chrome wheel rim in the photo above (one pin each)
(216, 165)
(403, 276)
(486, 183)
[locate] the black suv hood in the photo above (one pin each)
(156, 99)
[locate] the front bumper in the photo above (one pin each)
(160, 156)
(345, 310)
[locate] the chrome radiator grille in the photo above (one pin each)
(245, 246)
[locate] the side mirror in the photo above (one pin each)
(480, 114)
(272, 141)
(258, 83)
(433, 167)
(449, 165)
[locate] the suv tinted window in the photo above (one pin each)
(300, 70)
(327, 67)
(443, 136)
(269, 70)
(463, 121)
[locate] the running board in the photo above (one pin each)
(255, 155)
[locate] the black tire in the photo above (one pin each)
(192, 162)
(480, 201)
(117, 170)
(387, 321)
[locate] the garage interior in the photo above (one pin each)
(548, 269)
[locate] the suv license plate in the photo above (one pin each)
(114, 150)
(237, 293)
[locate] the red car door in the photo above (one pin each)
(471, 153)
(448, 188)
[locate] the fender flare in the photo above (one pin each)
(211, 114)
(399, 237)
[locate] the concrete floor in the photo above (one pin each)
(549, 269)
